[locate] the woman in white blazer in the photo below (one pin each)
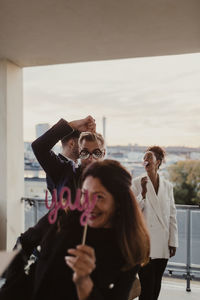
(156, 199)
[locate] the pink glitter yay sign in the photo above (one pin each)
(81, 203)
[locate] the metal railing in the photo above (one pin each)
(186, 262)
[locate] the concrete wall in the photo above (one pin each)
(44, 32)
(11, 154)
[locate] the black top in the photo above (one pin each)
(53, 278)
(50, 184)
(61, 171)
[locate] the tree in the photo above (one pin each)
(185, 175)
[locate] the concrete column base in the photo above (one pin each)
(11, 154)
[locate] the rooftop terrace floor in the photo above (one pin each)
(175, 289)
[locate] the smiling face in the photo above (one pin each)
(150, 161)
(103, 213)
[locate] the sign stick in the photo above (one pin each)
(84, 234)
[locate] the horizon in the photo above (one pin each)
(138, 145)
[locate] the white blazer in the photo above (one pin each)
(160, 214)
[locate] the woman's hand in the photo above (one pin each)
(144, 186)
(82, 262)
(172, 251)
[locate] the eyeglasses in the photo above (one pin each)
(85, 154)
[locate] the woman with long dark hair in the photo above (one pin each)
(117, 217)
(117, 243)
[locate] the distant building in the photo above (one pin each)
(104, 127)
(28, 152)
(41, 129)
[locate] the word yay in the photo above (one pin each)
(81, 203)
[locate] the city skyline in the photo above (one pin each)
(145, 101)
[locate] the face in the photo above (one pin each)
(150, 161)
(90, 146)
(104, 210)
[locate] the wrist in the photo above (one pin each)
(84, 287)
(72, 124)
(81, 281)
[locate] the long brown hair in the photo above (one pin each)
(130, 229)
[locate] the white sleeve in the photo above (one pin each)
(138, 195)
(173, 230)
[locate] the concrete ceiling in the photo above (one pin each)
(43, 32)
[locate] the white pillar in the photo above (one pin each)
(11, 154)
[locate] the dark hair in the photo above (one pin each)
(159, 153)
(72, 135)
(128, 224)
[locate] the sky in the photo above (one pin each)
(146, 101)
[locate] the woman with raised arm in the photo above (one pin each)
(156, 199)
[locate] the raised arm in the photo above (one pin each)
(43, 145)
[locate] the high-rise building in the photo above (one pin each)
(41, 129)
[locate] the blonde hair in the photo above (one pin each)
(92, 137)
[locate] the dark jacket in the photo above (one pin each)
(50, 184)
(62, 172)
(53, 278)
